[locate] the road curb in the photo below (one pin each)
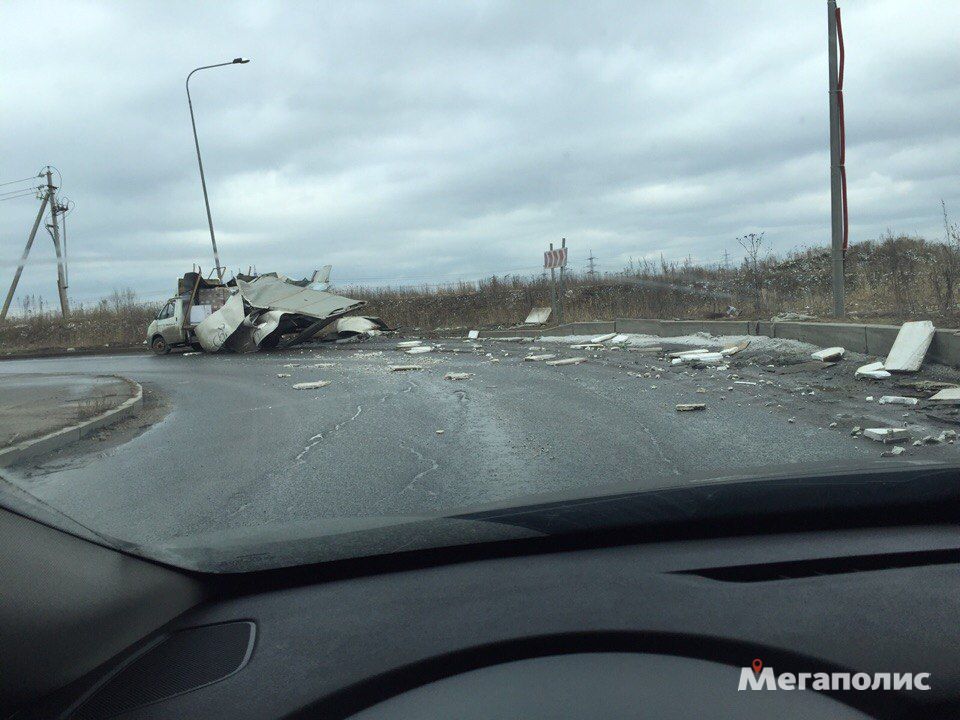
(65, 436)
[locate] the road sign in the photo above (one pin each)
(555, 258)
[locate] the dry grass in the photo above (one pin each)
(888, 280)
(116, 321)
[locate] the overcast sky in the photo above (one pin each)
(409, 142)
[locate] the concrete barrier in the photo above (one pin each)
(515, 332)
(851, 337)
(673, 328)
(880, 338)
(763, 327)
(582, 328)
(637, 326)
(945, 347)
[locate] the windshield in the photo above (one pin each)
(403, 263)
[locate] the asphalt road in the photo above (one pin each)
(241, 447)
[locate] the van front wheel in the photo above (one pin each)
(159, 345)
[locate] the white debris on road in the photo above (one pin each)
(283, 375)
(897, 400)
(893, 452)
(887, 435)
(473, 334)
(420, 349)
(910, 347)
(407, 344)
(827, 354)
(311, 385)
(947, 395)
(706, 358)
(457, 376)
(544, 356)
(872, 370)
(603, 338)
(619, 339)
(567, 361)
(734, 349)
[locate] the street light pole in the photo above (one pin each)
(196, 142)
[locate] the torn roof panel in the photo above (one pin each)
(276, 293)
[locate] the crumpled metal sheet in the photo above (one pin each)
(275, 293)
(214, 330)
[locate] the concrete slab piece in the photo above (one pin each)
(537, 316)
(887, 435)
(830, 353)
(947, 395)
(314, 385)
(567, 361)
(910, 347)
(872, 370)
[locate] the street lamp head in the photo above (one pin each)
(241, 61)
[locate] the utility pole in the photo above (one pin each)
(55, 234)
(591, 272)
(23, 258)
(836, 200)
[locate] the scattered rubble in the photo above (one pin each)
(897, 400)
(698, 357)
(927, 386)
(887, 435)
(567, 361)
(283, 375)
(535, 358)
(734, 349)
(691, 407)
(792, 317)
(458, 376)
(311, 385)
(831, 353)
(473, 334)
(603, 338)
(872, 370)
(910, 347)
(420, 349)
(947, 436)
(893, 452)
(408, 344)
(405, 368)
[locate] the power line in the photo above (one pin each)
(11, 182)
(19, 190)
(31, 193)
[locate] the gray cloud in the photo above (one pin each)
(426, 142)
